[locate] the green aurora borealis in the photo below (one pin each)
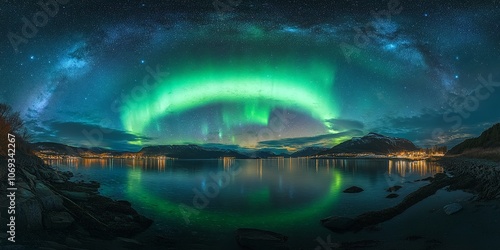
(335, 70)
(248, 86)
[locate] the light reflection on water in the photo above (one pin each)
(399, 167)
(285, 195)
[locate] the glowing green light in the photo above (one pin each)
(204, 129)
(248, 88)
(278, 217)
(259, 198)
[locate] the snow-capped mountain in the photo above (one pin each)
(309, 151)
(373, 143)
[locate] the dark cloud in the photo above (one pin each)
(221, 146)
(90, 135)
(448, 126)
(326, 140)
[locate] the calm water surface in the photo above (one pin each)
(204, 201)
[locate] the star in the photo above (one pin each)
(237, 75)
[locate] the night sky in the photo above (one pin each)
(279, 75)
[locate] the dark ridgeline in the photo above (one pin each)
(488, 140)
(262, 154)
(189, 152)
(172, 151)
(372, 143)
(62, 149)
(309, 151)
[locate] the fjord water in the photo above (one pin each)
(202, 202)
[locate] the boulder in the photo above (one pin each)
(392, 196)
(394, 188)
(430, 178)
(76, 196)
(29, 177)
(29, 214)
(129, 243)
(24, 192)
(260, 239)
(54, 245)
(452, 208)
(120, 206)
(439, 176)
(354, 189)
(126, 225)
(49, 200)
(46, 173)
(58, 220)
(338, 224)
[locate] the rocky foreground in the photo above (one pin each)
(55, 213)
(340, 224)
(480, 176)
(477, 176)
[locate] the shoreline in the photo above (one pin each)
(432, 158)
(481, 176)
(79, 237)
(54, 212)
(377, 158)
(474, 184)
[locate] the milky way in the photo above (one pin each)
(259, 74)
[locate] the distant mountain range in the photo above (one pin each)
(52, 148)
(262, 154)
(310, 151)
(173, 151)
(189, 152)
(487, 145)
(372, 143)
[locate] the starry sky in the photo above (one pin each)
(277, 75)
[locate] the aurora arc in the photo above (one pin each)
(249, 89)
